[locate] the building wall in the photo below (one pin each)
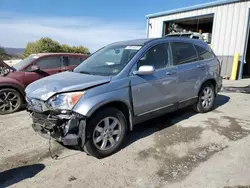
(229, 29)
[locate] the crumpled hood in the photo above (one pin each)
(3, 64)
(5, 69)
(63, 82)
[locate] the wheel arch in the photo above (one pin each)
(211, 80)
(120, 105)
(16, 87)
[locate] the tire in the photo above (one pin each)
(201, 106)
(10, 101)
(95, 131)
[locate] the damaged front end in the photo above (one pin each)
(68, 128)
(55, 118)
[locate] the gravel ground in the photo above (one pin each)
(181, 149)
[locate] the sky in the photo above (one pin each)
(92, 23)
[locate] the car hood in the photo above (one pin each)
(3, 64)
(5, 68)
(45, 88)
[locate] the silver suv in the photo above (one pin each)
(122, 84)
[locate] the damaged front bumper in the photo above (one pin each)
(66, 128)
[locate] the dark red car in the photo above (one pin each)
(13, 80)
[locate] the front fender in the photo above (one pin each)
(87, 106)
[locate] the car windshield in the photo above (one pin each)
(186, 35)
(109, 60)
(24, 62)
(173, 35)
(180, 35)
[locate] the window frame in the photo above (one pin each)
(208, 50)
(43, 57)
(146, 51)
(173, 55)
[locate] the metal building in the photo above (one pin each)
(227, 21)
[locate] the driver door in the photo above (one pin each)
(155, 94)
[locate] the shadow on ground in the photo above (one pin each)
(15, 175)
(178, 150)
(245, 89)
(149, 127)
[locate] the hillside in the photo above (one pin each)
(14, 51)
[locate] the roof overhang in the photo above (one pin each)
(195, 7)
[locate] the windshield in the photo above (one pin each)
(173, 35)
(108, 61)
(24, 62)
(180, 35)
(186, 35)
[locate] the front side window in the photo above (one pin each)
(109, 60)
(204, 53)
(49, 63)
(183, 53)
(158, 56)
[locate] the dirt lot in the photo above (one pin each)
(182, 149)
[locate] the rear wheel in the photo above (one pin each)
(10, 101)
(106, 131)
(206, 98)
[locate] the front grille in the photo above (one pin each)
(45, 120)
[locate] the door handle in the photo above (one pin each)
(171, 72)
(200, 66)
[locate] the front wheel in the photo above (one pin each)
(206, 99)
(106, 131)
(10, 101)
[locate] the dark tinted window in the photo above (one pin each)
(204, 53)
(158, 56)
(183, 53)
(49, 63)
(68, 61)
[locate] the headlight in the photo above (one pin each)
(64, 101)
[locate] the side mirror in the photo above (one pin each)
(34, 68)
(145, 70)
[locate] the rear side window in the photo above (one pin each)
(204, 53)
(72, 60)
(195, 37)
(183, 53)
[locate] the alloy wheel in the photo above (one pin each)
(207, 97)
(9, 101)
(107, 133)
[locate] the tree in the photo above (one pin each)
(74, 49)
(29, 49)
(44, 45)
(3, 54)
(48, 45)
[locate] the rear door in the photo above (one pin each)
(154, 94)
(70, 62)
(191, 70)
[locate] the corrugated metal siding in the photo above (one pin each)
(229, 28)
